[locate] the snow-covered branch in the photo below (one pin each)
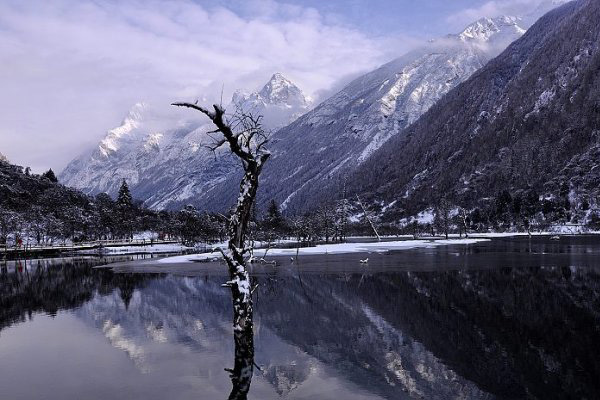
(246, 139)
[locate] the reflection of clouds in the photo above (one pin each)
(114, 333)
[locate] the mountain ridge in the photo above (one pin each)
(523, 124)
(164, 156)
(331, 140)
(169, 167)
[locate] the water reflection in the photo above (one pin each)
(508, 332)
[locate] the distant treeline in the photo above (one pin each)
(37, 209)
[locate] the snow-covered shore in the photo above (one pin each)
(338, 248)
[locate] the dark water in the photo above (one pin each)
(511, 318)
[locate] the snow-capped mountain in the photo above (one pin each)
(280, 102)
(163, 155)
(167, 165)
(501, 29)
(330, 141)
(526, 124)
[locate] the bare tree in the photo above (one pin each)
(368, 218)
(246, 139)
(464, 220)
(442, 215)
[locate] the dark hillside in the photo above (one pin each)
(528, 123)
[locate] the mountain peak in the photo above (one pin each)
(136, 112)
(485, 29)
(280, 90)
(279, 101)
(134, 118)
(278, 76)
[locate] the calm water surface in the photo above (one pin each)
(511, 318)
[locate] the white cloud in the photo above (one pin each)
(529, 9)
(70, 69)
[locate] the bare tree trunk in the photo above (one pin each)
(246, 145)
(463, 216)
(368, 218)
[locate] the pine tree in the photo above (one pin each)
(126, 211)
(124, 199)
(50, 176)
(273, 211)
(274, 220)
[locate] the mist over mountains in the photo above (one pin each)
(163, 155)
(445, 121)
(169, 167)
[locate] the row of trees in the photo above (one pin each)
(523, 211)
(39, 210)
(36, 209)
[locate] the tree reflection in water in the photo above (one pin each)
(243, 369)
(509, 332)
(52, 285)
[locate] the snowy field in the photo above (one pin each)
(338, 248)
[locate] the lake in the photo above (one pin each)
(510, 318)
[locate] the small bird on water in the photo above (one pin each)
(366, 260)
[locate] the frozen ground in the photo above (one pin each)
(338, 248)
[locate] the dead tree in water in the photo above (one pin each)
(246, 140)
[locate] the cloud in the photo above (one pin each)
(71, 69)
(529, 9)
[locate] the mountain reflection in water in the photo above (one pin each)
(465, 333)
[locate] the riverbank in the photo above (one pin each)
(322, 249)
(96, 247)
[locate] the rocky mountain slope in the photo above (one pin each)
(330, 141)
(166, 164)
(162, 155)
(527, 123)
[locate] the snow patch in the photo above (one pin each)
(338, 248)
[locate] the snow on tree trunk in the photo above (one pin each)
(247, 144)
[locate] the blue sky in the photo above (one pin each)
(419, 18)
(382, 17)
(71, 69)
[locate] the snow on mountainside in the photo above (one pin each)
(525, 125)
(340, 133)
(487, 29)
(167, 166)
(385, 101)
(162, 153)
(280, 102)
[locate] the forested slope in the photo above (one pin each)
(525, 128)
